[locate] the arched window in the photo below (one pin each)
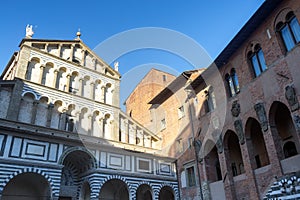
(257, 60)
(232, 82)
(289, 31)
(210, 101)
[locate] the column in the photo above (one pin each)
(95, 63)
(102, 100)
(80, 87)
(54, 79)
(46, 47)
(90, 124)
(273, 153)
(227, 175)
(204, 180)
(34, 110)
(71, 53)
(49, 114)
(83, 57)
(68, 83)
(63, 117)
(92, 89)
(251, 183)
(42, 68)
(59, 50)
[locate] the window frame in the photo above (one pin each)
(260, 61)
(290, 18)
(232, 83)
(190, 177)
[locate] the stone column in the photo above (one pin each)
(54, 79)
(102, 100)
(92, 89)
(59, 50)
(83, 57)
(34, 111)
(71, 53)
(95, 63)
(80, 88)
(49, 114)
(204, 180)
(227, 175)
(101, 129)
(90, 125)
(42, 68)
(46, 47)
(68, 83)
(249, 172)
(63, 118)
(274, 149)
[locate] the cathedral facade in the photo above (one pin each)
(63, 135)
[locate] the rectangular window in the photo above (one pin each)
(191, 179)
(164, 78)
(180, 112)
(163, 124)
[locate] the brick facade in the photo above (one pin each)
(250, 138)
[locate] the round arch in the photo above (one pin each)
(212, 162)
(144, 192)
(32, 94)
(233, 153)
(166, 192)
(283, 130)
(114, 189)
(73, 149)
(256, 144)
(28, 184)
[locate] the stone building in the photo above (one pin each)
(242, 136)
(63, 135)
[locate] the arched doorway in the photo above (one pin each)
(233, 153)
(77, 163)
(283, 130)
(144, 192)
(212, 163)
(27, 186)
(114, 189)
(256, 144)
(166, 193)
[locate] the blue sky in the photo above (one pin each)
(211, 23)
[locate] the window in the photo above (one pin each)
(179, 145)
(191, 180)
(162, 124)
(180, 112)
(232, 83)
(210, 101)
(164, 78)
(257, 60)
(191, 141)
(289, 31)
